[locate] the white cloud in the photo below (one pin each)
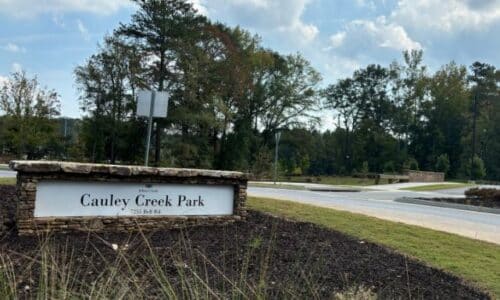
(362, 35)
(30, 8)
(370, 4)
(58, 20)
(305, 32)
(264, 16)
(11, 47)
(447, 15)
(197, 4)
(83, 30)
(337, 39)
(16, 67)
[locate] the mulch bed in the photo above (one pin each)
(466, 201)
(295, 259)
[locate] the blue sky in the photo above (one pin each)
(50, 38)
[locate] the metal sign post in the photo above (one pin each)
(150, 127)
(277, 136)
(151, 104)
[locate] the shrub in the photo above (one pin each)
(478, 169)
(297, 171)
(365, 169)
(443, 163)
(411, 164)
(263, 166)
(389, 167)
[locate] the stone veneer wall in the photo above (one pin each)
(31, 172)
(423, 176)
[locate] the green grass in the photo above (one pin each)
(436, 187)
(473, 260)
(277, 186)
(7, 181)
(333, 180)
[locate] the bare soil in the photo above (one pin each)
(289, 259)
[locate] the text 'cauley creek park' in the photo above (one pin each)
(140, 200)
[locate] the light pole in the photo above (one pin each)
(277, 137)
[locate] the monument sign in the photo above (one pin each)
(74, 196)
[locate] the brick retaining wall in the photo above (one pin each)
(424, 176)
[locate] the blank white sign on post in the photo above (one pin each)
(144, 104)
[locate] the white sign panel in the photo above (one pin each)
(144, 104)
(72, 199)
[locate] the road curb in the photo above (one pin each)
(449, 205)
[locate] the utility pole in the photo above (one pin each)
(277, 137)
(474, 117)
(157, 143)
(65, 138)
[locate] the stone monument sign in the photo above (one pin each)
(68, 196)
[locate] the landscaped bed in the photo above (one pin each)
(475, 196)
(263, 257)
(465, 201)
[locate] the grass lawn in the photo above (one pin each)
(476, 261)
(277, 186)
(7, 180)
(333, 180)
(436, 187)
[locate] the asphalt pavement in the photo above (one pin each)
(6, 173)
(378, 201)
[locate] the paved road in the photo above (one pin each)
(4, 173)
(381, 204)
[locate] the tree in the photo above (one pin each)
(411, 164)
(408, 89)
(30, 110)
(366, 111)
(443, 163)
(291, 93)
(167, 32)
(485, 89)
(108, 82)
(445, 117)
(477, 171)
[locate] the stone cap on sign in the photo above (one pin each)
(37, 166)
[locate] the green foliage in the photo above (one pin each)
(443, 163)
(389, 167)
(263, 166)
(364, 168)
(29, 127)
(229, 94)
(478, 171)
(411, 164)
